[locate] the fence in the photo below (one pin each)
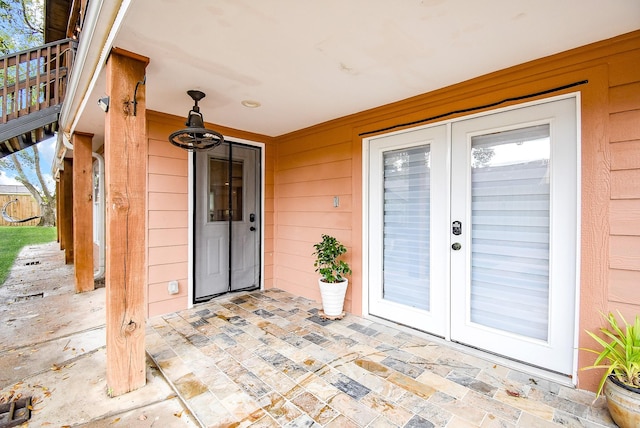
(24, 208)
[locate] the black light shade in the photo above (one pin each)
(196, 137)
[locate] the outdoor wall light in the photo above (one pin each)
(103, 103)
(196, 137)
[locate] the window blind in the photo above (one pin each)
(406, 257)
(510, 216)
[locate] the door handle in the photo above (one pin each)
(456, 246)
(253, 229)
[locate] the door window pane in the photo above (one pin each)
(219, 190)
(510, 230)
(406, 269)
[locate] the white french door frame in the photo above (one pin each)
(435, 137)
(446, 339)
(191, 195)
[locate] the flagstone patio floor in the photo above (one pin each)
(266, 359)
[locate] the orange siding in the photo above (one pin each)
(624, 145)
(625, 155)
(306, 169)
(168, 222)
(315, 164)
(311, 171)
(168, 214)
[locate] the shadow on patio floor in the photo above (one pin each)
(265, 359)
(52, 348)
(261, 359)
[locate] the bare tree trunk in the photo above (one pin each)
(45, 200)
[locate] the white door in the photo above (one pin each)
(509, 212)
(514, 190)
(407, 210)
(227, 220)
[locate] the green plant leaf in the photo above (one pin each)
(326, 263)
(620, 351)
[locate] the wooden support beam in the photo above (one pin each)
(58, 203)
(126, 184)
(66, 210)
(83, 212)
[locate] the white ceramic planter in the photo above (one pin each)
(333, 297)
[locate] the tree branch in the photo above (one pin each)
(26, 19)
(18, 167)
(30, 187)
(43, 184)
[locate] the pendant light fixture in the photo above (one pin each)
(196, 137)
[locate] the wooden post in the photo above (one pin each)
(125, 153)
(58, 203)
(66, 210)
(60, 206)
(83, 212)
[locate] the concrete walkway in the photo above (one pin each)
(52, 348)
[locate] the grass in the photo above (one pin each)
(14, 238)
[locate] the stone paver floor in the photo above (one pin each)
(265, 359)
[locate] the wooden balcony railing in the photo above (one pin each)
(34, 79)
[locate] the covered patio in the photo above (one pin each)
(260, 359)
(266, 359)
(317, 172)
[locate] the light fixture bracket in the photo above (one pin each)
(103, 103)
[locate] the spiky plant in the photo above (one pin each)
(620, 353)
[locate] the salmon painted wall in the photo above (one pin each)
(315, 164)
(312, 168)
(168, 221)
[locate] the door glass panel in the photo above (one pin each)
(219, 190)
(406, 260)
(510, 218)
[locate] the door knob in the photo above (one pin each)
(253, 229)
(456, 246)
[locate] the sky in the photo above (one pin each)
(14, 29)
(46, 150)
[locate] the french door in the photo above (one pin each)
(227, 220)
(408, 208)
(473, 231)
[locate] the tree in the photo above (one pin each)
(21, 25)
(481, 156)
(30, 158)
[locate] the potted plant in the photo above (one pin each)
(333, 284)
(620, 357)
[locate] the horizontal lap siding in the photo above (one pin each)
(168, 219)
(624, 208)
(168, 213)
(311, 169)
(307, 176)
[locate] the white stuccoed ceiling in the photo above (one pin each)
(309, 61)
